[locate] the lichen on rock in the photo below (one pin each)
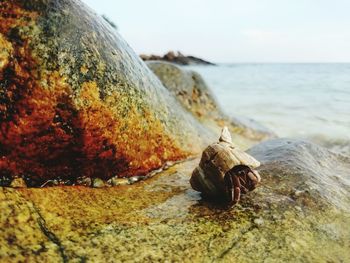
(77, 102)
(163, 218)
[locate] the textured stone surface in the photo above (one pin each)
(311, 169)
(75, 101)
(189, 88)
(160, 219)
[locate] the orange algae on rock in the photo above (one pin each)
(13, 15)
(125, 145)
(60, 123)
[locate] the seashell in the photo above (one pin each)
(225, 136)
(225, 171)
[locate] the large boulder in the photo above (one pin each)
(299, 168)
(300, 208)
(76, 101)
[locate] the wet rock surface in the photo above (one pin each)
(312, 170)
(289, 218)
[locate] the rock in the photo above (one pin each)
(251, 128)
(97, 183)
(134, 179)
(118, 181)
(5, 177)
(18, 182)
(305, 171)
(188, 87)
(178, 58)
(162, 218)
(24, 234)
(76, 101)
(86, 181)
(194, 94)
(168, 164)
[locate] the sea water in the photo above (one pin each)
(308, 101)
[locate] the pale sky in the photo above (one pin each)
(235, 30)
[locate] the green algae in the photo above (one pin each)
(76, 101)
(163, 219)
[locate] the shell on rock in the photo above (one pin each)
(217, 159)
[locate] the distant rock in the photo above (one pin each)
(252, 128)
(188, 87)
(177, 58)
(196, 96)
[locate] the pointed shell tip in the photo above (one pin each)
(225, 135)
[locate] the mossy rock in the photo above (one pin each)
(76, 101)
(288, 218)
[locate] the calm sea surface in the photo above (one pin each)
(309, 101)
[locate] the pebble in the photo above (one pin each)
(259, 221)
(18, 183)
(118, 181)
(134, 179)
(85, 181)
(98, 183)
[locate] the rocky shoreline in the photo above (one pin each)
(177, 58)
(79, 108)
(193, 93)
(285, 219)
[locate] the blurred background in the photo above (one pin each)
(283, 63)
(235, 31)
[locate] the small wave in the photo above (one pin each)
(339, 145)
